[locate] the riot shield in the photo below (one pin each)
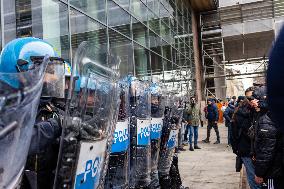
(88, 124)
(157, 116)
(18, 110)
(118, 167)
(140, 147)
(168, 142)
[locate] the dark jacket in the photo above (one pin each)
(268, 148)
(275, 79)
(44, 147)
(44, 134)
(242, 121)
(228, 114)
(212, 112)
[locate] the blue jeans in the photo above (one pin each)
(247, 161)
(193, 130)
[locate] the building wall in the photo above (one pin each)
(225, 3)
(150, 37)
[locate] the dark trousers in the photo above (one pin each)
(185, 138)
(212, 124)
(276, 183)
(229, 125)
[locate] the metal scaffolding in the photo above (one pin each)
(236, 40)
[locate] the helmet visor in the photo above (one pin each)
(54, 80)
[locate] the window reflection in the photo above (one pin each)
(118, 18)
(122, 47)
(93, 8)
(107, 25)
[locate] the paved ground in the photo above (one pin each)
(212, 167)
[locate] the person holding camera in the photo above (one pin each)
(268, 146)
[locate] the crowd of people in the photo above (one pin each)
(253, 135)
(254, 123)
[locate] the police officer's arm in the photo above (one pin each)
(44, 134)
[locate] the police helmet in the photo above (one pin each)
(19, 55)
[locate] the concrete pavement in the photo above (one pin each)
(212, 167)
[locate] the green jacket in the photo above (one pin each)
(193, 116)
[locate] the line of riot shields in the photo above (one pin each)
(83, 126)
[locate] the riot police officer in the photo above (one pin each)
(41, 162)
(88, 124)
(140, 147)
(118, 168)
(21, 80)
(157, 114)
(168, 143)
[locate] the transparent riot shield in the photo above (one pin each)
(118, 167)
(157, 116)
(18, 110)
(88, 124)
(168, 142)
(177, 115)
(140, 146)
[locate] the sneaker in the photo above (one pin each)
(181, 149)
(191, 148)
(206, 141)
(217, 142)
(196, 147)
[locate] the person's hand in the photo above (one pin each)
(254, 103)
(258, 180)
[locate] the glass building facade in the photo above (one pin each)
(153, 38)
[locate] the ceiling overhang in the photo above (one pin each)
(204, 5)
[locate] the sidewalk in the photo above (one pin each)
(212, 167)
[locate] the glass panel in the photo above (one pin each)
(118, 19)
(139, 10)
(153, 5)
(165, 4)
(167, 52)
(155, 42)
(123, 3)
(96, 8)
(139, 32)
(167, 65)
(165, 32)
(157, 67)
(186, 25)
(45, 19)
(54, 26)
(171, 8)
(174, 57)
(141, 57)
(156, 63)
(164, 14)
(122, 47)
(85, 29)
(154, 22)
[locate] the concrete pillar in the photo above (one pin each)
(197, 60)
